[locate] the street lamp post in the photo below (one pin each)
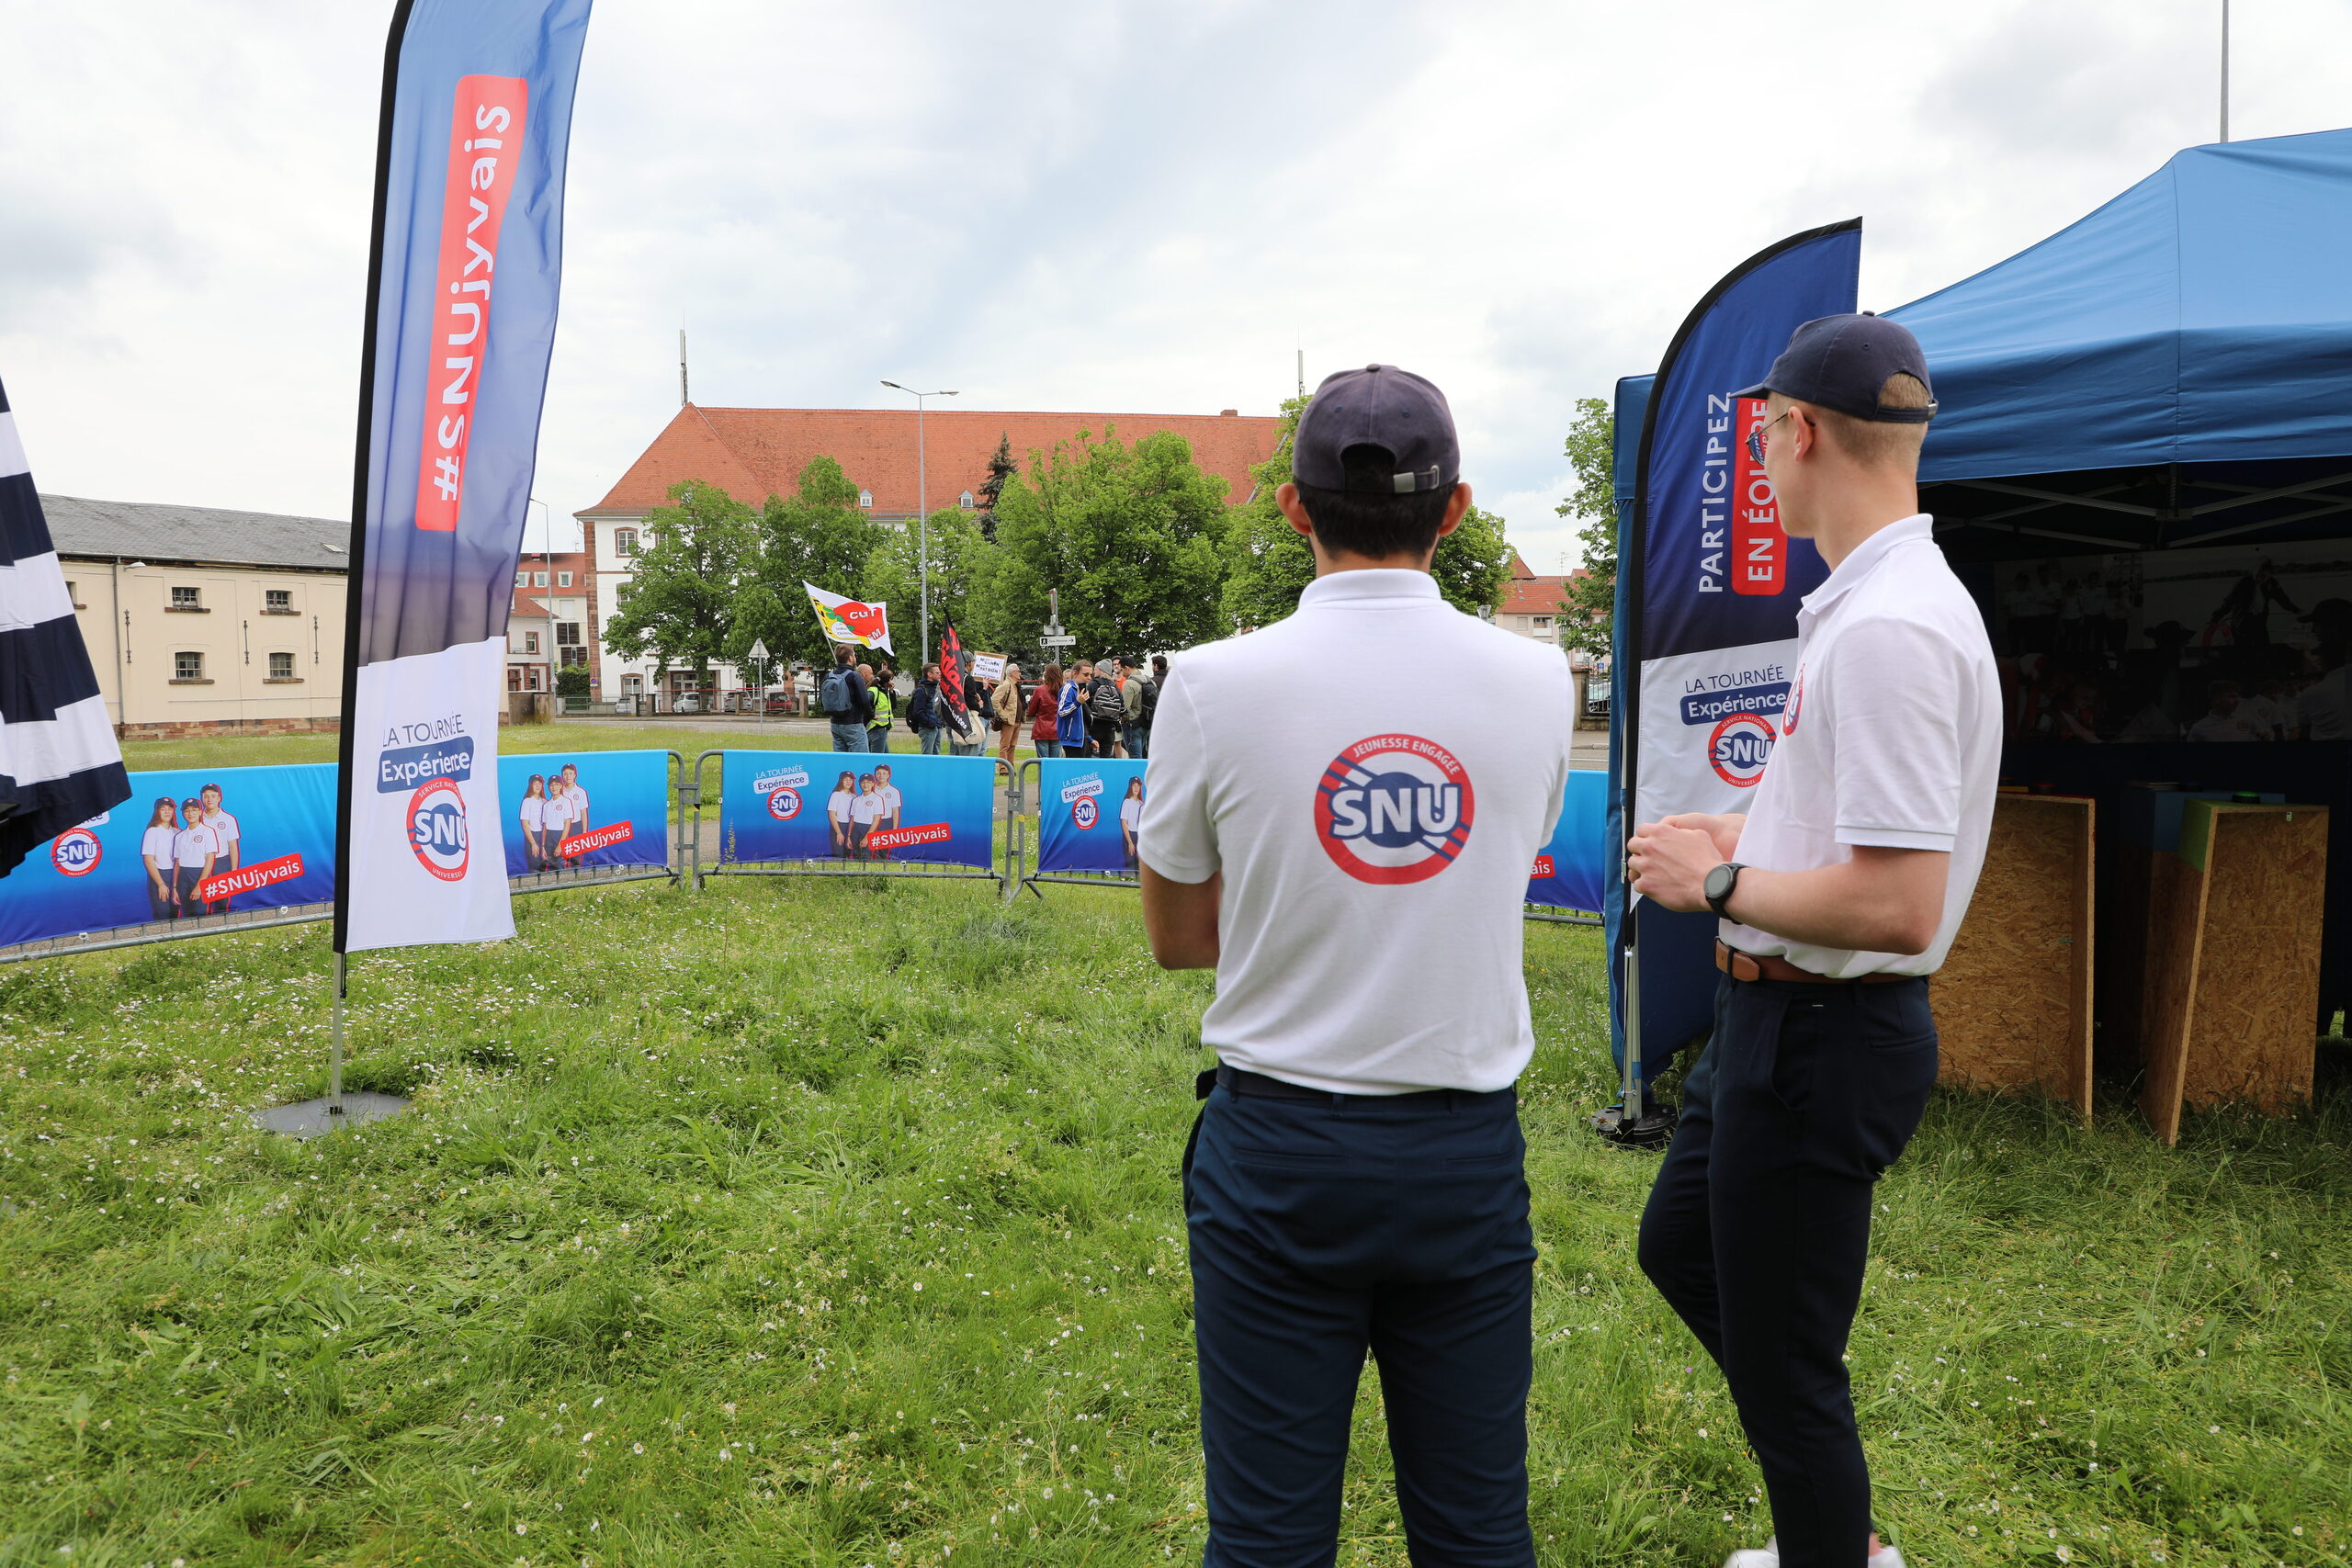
(922, 515)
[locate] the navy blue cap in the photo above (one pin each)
(1399, 413)
(1840, 362)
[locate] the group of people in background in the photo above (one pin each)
(1102, 709)
(184, 844)
(1098, 709)
(862, 805)
(554, 808)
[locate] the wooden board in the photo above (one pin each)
(2013, 1000)
(2236, 987)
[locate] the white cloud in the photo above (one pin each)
(1058, 206)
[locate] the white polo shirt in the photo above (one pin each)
(1375, 776)
(1892, 737)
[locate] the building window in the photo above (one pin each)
(965, 502)
(866, 498)
(567, 632)
(187, 599)
(538, 579)
(522, 580)
(73, 595)
(621, 591)
(277, 601)
(530, 642)
(187, 667)
(573, 658)
(281, 667)
(624, 541)
(563, 580)
(1542, 620)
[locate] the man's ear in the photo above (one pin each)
(1292, 509)
(1457, 507)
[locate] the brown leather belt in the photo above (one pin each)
(1755, 966)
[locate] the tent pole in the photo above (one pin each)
(2225, 69)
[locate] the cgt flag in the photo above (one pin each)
(1708, 591)
(851, 620)
(461, 310)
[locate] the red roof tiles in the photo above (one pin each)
(754, 453)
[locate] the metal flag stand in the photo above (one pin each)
(315, 1118)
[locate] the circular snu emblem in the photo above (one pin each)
(1393, 808)
(437, 829)
(1739, 747)
(75, 851)
(783, 804)
(1796, 703)
(1083, 812)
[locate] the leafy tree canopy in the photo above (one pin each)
(893, 574)
(1588, 611)
(679, 605)
(1131, 536)
(818, 534)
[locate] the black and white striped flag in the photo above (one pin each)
(59, 762)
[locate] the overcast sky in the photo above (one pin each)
(1096, 206)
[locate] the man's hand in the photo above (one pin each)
(1667, 862)
(1723, 828)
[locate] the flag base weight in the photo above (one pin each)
(1652, 1128)
(317, 1118)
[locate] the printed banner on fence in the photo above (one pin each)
(572, 810)
(188, 844)
(1573, 871)
(1089, 813)
(466, 265)
(859, 808)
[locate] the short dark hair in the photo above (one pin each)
(842, 653)
(1373, 523)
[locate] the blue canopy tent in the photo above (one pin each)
(2171, 374)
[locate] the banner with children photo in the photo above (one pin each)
(856, 808)
(188, 844)
(1088, 814)
(585, 810)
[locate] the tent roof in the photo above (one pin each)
(2199, 317)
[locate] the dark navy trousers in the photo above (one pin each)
(1758, 1231)
(1323, 1230)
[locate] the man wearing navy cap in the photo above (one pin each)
(1838, 894)
(1355, 876)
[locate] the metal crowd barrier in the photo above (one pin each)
(895, 870)
(1029, 770)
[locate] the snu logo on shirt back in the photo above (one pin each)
(1393, 809)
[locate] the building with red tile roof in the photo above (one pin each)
(753, 454)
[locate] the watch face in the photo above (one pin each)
(1720, 881)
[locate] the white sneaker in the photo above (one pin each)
(1769, 1556)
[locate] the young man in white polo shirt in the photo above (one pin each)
(1355, 875)
(1840, 892)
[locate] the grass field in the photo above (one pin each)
(836, 1223)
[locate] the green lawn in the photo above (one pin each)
(836, 1223)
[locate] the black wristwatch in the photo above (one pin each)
(1719, 886)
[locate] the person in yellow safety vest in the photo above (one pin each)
(877, 727)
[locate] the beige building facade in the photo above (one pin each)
(201, 620)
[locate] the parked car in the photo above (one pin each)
(686, 702)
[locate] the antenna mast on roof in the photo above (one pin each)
(682, 399)
(1301, 372)
(2225, 69)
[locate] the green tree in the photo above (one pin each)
(893, 574)
(818, 535)
(1001, 467)
(1270, 563)
(679, 606)
(1131, 536)
(1588, 611)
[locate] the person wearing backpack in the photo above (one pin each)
(1140, 747)
(1131, 690)
(879, 709)
(842, 694)
(926, 713)
(1045, 712)
(1106, 710)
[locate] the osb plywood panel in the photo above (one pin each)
(2238, 991)
(2013, 1000)
(2258, 974)
(2176, 908)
